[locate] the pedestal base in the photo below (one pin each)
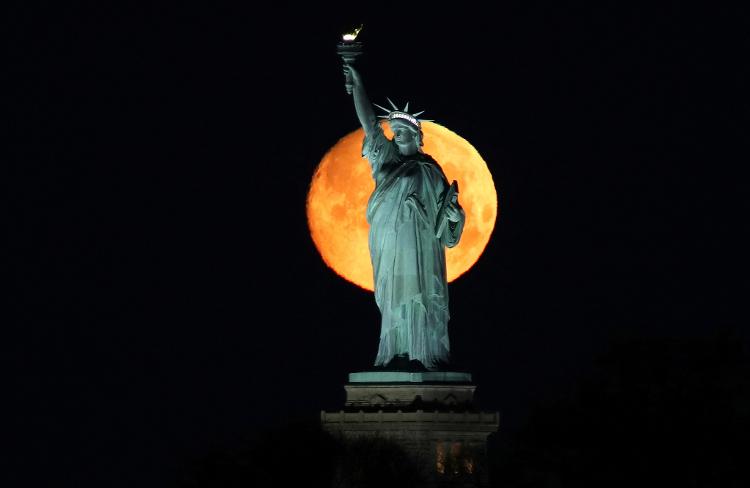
(409, 377)
(420, 390)
(430, 415)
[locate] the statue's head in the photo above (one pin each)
(407, 136)
(407, 128)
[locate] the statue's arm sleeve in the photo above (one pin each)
(376, 147)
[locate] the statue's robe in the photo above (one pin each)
(411, 287)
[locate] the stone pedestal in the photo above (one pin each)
(430, 415)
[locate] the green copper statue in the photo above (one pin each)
(413, 215)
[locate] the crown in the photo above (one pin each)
(402, 114)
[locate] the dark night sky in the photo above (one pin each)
(167, 295)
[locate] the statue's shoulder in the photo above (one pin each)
(427, 159)
(437, 175)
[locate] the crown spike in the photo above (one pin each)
(382, 108)
(392, 104)
(406, 107)
(417, 114)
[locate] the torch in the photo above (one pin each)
(349, 49)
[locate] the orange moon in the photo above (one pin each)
(341, 186)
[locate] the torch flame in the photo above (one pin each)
(353, 35)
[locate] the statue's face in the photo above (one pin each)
(405, 138)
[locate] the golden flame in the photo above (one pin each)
(352, 35)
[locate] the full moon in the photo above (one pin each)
(341, 186)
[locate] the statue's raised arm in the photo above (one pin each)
(362, 104)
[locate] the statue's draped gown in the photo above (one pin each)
(411, 288)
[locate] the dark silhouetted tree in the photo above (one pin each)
(374, 462)
(657, 412)
(302, 454)
(297, 454)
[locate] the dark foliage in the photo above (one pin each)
(301, 454)
(284, 455)
(376, 462)
(655, 413)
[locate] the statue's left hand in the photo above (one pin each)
(453, 212)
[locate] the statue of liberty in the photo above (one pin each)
(413, 215)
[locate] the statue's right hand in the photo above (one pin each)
(352, 74)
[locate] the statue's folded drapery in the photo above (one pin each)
(411, 289)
